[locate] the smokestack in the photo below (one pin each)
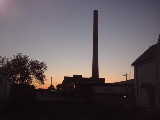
(95, 71)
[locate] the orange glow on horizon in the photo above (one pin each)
(57, 79)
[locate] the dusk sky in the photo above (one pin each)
(59, 32)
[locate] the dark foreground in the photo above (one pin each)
(69, 111)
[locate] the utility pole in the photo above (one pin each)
(126, 75)
(51, 87)
(51, 80)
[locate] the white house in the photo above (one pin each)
(147, 77)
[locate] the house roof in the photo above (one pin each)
(149, 54)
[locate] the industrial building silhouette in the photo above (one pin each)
(77, 81)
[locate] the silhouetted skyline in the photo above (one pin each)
(59, 33)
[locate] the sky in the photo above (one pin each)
(59, 33)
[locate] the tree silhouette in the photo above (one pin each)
(21, 69)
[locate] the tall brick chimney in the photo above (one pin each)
(95, 69)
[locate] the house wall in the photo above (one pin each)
(158, 62)
(147, 77)
(146, 73)
(159, 70)
(157, 98)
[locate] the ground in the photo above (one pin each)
(70, 111)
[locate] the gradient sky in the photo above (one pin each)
(59, 32)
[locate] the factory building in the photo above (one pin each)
(77, 81)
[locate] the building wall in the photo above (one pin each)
(110, 90)
(147, 77)
(4, 88)
(146, 73)
(159, 70)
